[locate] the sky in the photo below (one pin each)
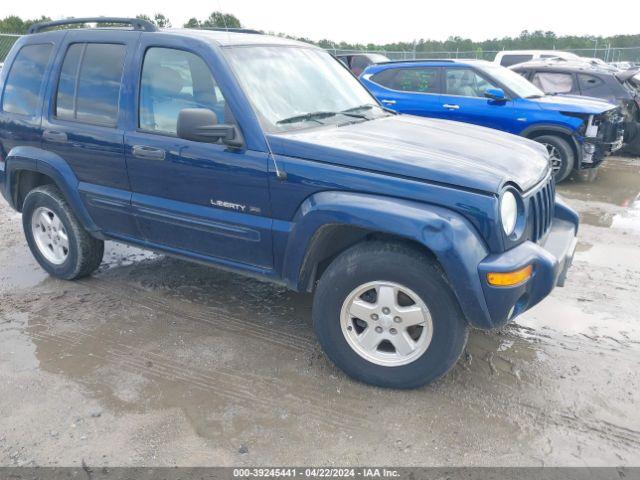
(370, 21)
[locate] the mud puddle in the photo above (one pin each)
(612, 198)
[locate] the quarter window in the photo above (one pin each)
(550, 82)
(589, 82)
(89, 84)
(24, 82)
(420, 80)
(465, 82)
(171, 81)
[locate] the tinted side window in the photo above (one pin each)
(66, 96)
(420, 80)
(89, 84)
(465, 82)
(173, 80)
(589, 82)
(508, 60)
(550, 82)
(359, 63)
(25, 79)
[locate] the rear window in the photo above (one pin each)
(420, 80)
(508, 60)
(22, 88)
(89, 84)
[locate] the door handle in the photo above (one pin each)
(54, 136)
(388, 102)
(451, 106)
(149, 153)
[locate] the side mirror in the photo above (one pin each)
(201, 125)
(495, 94)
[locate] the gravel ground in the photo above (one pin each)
(154, 361)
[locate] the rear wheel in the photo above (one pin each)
(56, 239)
(561, 155)
(384, 313)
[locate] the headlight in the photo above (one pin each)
(508, 212)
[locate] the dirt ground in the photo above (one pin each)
(154, 361)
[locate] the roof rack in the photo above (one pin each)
(136, 23)
(232, 30)
(417, 60)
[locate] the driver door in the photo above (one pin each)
(463, 100)
(203, 200)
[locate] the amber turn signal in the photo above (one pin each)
(509, 279)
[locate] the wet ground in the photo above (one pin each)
(153, 361)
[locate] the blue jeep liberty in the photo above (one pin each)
(267, 157)
(579, 132)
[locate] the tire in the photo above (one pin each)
(567, 157)
(83, 253)
(388, 264)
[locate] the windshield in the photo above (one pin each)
(298, 87)
(513, 81)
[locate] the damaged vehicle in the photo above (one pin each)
(578, 132)
(408, 231)
(621, 88)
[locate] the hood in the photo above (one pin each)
(428, 149)
(575, 104)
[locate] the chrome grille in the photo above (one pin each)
(541, 210)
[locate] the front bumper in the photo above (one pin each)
(550, 258)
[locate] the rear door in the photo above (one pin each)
(82, 123)
(410, 90)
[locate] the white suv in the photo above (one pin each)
(507, 58)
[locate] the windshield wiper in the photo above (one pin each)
(316, 116)
(307, 117)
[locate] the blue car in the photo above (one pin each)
(578, 132)
(267, 157)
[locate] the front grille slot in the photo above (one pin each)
(541, 210)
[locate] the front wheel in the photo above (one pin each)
(561, 155)
(384, 314)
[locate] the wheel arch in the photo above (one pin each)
(29, 167)
(534, 131)
(330, 222)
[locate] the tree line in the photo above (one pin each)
(537, 39)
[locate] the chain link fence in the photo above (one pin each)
(6, 42)
(608, 54)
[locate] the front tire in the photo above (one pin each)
(563, 158)
(385, 314)
(55, 236)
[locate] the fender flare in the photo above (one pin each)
(447, 234)
(47, 163)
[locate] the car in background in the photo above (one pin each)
(622, 65)
(575, 78)
(578, 132)
(507, 58)
(357, 62)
